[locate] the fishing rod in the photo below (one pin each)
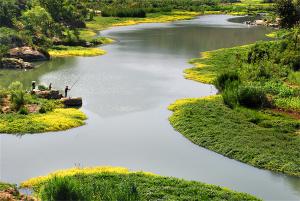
(75, 83)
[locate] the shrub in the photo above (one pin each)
(47, 106)
(23, 110)
(42, 87)
(18, 99)
(252, 97)
(230, 94)
(124, 12)
(60, 188)
(15, 86)
(224, 78)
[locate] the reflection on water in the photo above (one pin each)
(126, 93)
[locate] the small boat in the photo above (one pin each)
(72, 102)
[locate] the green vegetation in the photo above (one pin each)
(108, 183)
(255, 119)
(5, 186)
(64, 51)
(23, 112)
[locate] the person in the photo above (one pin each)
(33, 85)
(66, 91)
(50, 86)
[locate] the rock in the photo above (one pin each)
(260, 22)
(12, 63)
(52, 94)
(28, 54)
(72, 102)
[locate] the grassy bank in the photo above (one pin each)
(108, 183)
(67, 51)
(256, 117)
(56, 120)
(264, 139)
(22, 112)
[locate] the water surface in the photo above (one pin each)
(126, 94)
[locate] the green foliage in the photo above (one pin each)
(42, 87)
(5, 186)
(230, 94)
(252, 96)
(61, 189)
(224, 78)
(24, 111)
(8, 12)
(124, 12)
(132, 187)
(264, 138)
(289, 12)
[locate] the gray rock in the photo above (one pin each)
(12, 63)
(28, 54)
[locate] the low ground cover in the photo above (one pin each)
(22, 112)
(109, 183)
(256, 117)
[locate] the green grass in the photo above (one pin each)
(119, 184)
(5, 186)
(264, 139)
(57, 120)
(65, 51)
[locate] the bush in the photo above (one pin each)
(42, 87)
(47, 106)
(18, 99)
(252, 97)
(224, 78)
(124, 12)
(60, 188)
(23, 110)
(230, 94)
(15, 86)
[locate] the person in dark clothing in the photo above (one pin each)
(33, 85)
(66, 91)
(50, 86)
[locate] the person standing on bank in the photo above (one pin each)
(50, 86)
(66, 91)
(33, 85)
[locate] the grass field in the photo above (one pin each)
(116, 183)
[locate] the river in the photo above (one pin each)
(126, 94)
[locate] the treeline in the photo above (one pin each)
(289, 12)
(41, 23)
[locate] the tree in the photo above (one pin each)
(8, 11)
(288, 13)
(38, 21)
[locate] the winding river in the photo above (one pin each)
(126, 94)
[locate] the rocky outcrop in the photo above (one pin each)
(72, 102)
(28, 54)
(12, 63)
(48, 94)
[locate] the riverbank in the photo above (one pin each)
(256, 116)
(110, 183)
(22, 112)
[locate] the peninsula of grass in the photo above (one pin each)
(22, 112)
(116, 183)
(256, 117)
(69, 51)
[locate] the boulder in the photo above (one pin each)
(28, 54)
(12, 63)
(48, 94)
(72, 102)
(260, 22)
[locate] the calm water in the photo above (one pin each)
(126, 93)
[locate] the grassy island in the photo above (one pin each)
(256, 117)
(23, 112)
(116, 183)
